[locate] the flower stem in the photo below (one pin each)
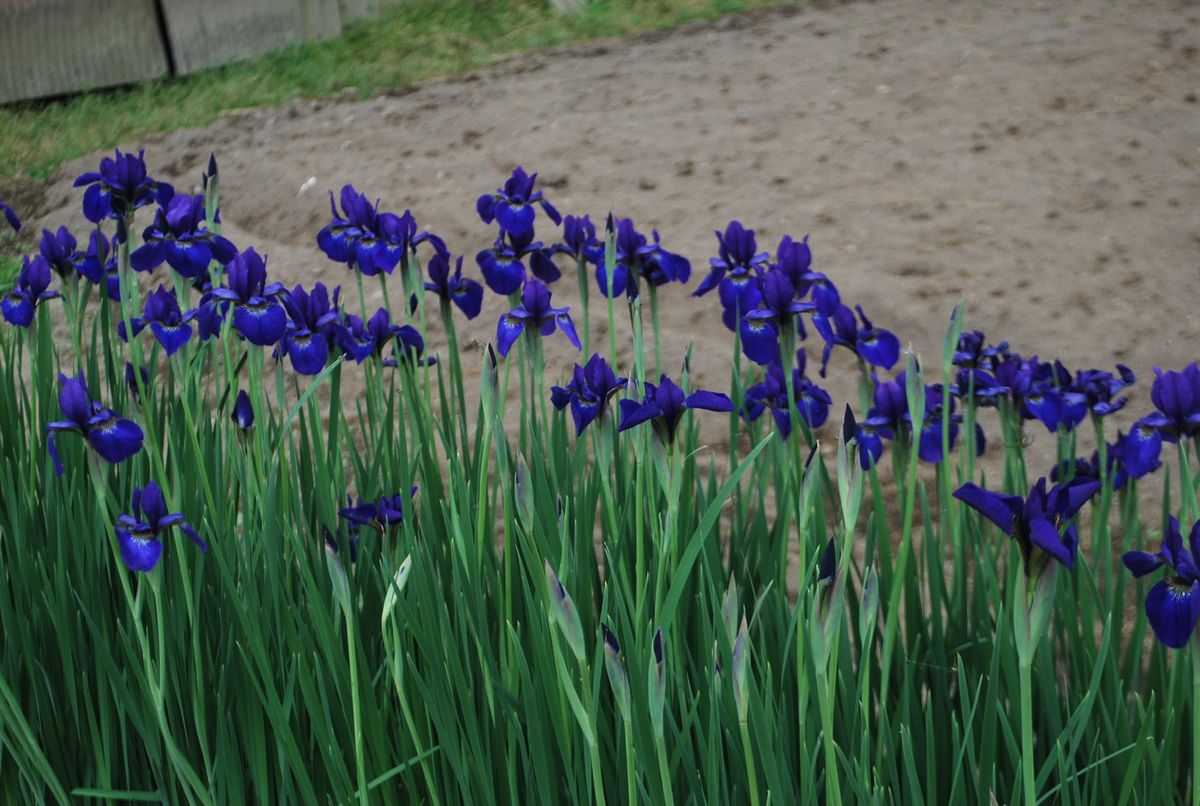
(1028, 783)
(664, 772)
(751, 772)
(1195, 646)
(352, 657)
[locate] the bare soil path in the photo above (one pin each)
(1038, 159)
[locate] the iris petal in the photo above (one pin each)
(1044, 535)
(1173, 610)
(117, 440)
(999, 509)
(140, 554)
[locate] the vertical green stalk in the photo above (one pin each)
(751, 771)
(582, 274)
(1195, 645)
(1029, 786)
(658, 359)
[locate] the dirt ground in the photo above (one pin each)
(1037, 159)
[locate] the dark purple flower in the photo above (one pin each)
(579, 240)
(179, 235)
(591, 387)
(1042, 520)
(60, 249)
(1090, 468)
(360, 341)
(1035, 389)
(1176, 396)
(1173, 604)
(890, 416)
(735, 271)
(243, 411)
(10, 216)
(140, 534)
(115, 439)
(353, 236)
(310, 332)
(876, 346)
(794, 259)
(120, 187)
(257, 314)
(512, 205)
(534, 315)
(1099, 389)
(162, 314)
(638, 261)
(973, 352)
(401, 238)
(663, 406)
(775, 314)
(462, 291)
(99, 265)
(503, 267)
(409, 349)
(812, 402)
(384, 514)
(131, 383)
(20, 303)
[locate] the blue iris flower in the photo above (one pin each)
(973, 351)
(503, 267)
(776, 314)
(409, 350)
(592, 386)
(1176, 396)
(384, 514)
(359, 341)
(310, 332)
(121, 186)
(1099, 389)
(243, 411)
(365, 239)
(162, 314)
(10, 215)
(638, 261)
(131, 383)
(140, 534)
(735, 271)
(534, 315)
(1036, 389)
(99, 265)
(812, 402)
(1041, 521)
(464, 292)
(794, 259)
(1173, 603)
(115, 439)
(61, 251)
(179, 236)
(257, 314)
(512, 205)
(579, 240)
(31, 290)
(1090, 468)
(890, 416)
(664, 405)
(876, 346)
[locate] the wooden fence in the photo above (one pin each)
(53, 47)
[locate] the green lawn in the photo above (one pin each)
(422, 39)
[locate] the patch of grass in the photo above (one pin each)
(421, 39)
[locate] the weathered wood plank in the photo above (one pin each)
(365, 9)
(221, 31)
(50, 47)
